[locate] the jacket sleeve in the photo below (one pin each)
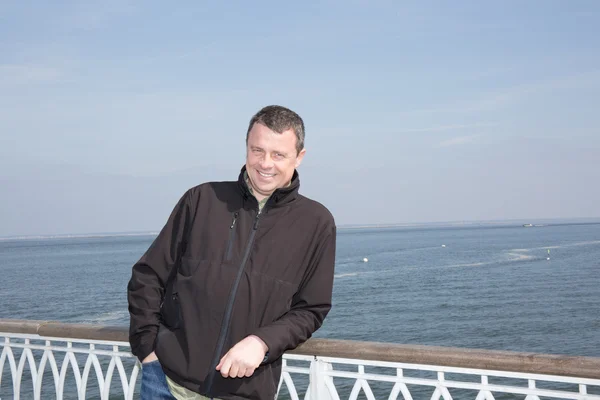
(310, 305)
(149, 276)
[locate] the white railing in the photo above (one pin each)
(409, 381)
(61, 360)
(31, 356)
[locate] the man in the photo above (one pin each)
(241, 272)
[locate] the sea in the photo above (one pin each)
(485, 286)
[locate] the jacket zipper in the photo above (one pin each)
(231, 237)
(227, 318)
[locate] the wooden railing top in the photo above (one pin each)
(547, 364)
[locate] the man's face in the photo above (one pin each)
(270, 159)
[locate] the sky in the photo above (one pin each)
(415, 111)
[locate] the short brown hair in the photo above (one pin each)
(279, 119)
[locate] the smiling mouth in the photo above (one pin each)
(266, 175)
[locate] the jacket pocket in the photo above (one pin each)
(170, 307)
(231, 238)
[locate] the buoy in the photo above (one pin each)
(365, 259)
(548, 258)
(443, 245)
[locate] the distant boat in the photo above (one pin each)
(527, 225)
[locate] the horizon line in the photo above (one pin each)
(341, 227)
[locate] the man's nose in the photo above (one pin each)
(266, 162)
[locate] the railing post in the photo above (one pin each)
(318, 380)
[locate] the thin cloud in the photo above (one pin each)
(491, 72)
(500, 98)
(460, 140)
(442, 128)
(89, 16)
(24, 74)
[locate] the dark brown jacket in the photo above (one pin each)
(219, 271)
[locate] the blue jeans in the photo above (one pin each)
(154, 382)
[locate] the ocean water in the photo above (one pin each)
(488, 287)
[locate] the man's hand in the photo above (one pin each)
(151, 357)
(243, 358)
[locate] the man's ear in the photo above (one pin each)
(300, 157)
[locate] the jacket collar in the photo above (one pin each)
(279, 197)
